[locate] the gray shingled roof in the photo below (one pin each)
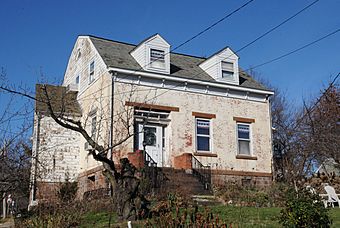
(117, 54)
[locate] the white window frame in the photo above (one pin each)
(209, 136)
(91, 71)
(94, 126)
(155, 60)
(78, 81)
(231, 71)
(242, 139)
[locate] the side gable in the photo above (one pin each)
(83, 54)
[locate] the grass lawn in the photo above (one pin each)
(238, 216)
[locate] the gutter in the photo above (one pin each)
(193, 81)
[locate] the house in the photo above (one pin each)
(182, 110)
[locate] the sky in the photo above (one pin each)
(37, 36)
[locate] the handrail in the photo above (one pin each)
(202, 172)
(148, 161)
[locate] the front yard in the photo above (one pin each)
(237, 216)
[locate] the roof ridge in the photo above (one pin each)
(135, 45)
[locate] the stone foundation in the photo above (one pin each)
(246, 179)
(91, 180)
(47, 191)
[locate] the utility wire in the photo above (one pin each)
(250, 68)
(193, 37)
(294, 51)
(266, 33)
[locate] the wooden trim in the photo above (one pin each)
(244, 120)
(204, 115)
(151, 106)
(247, 157)
(205, 154)
(240, 173)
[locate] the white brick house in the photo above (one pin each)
(183, 107)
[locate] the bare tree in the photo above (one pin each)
(59, 105)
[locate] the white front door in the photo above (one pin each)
(152, 136)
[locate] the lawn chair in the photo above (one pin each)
(332, 196)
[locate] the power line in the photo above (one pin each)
(266, 33)
(295, 50)
(192, 38)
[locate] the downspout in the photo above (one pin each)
(111, 124)
(271, 139)
(35, 165)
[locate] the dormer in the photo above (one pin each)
(153, 54)
(222, 66)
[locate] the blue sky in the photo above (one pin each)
(37, 36)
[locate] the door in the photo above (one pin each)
(152, 136)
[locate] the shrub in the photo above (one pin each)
(67, 191)
(304, 209)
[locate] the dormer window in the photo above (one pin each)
(157, 58)
(227, 70)
(152, 54)
(222, 66)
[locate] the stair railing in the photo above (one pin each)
(202, 172)
(151, 171)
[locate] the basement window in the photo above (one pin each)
(157, 58)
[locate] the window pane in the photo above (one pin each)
(243, 131)
(92, 66)
(227, 74)
(157, 55)
(244, 147)
(150, 136)
(203, 127)
(228, 66)
(203, 143)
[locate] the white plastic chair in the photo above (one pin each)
(332, 196)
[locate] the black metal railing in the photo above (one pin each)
(151, 170)
(202, 172)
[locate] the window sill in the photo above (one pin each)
(205, 154)
(247, 157)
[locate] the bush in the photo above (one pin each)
(304, 209)
(67, 191)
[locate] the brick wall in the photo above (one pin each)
(91, 180)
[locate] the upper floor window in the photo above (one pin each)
(227, 70)
(203, 135)
(77, 80)
(243, 137)
(91, 76)
(93, 126)
(157, 58)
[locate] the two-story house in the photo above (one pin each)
(178, 108)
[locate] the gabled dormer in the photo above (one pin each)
(223, 66)
(153, 55)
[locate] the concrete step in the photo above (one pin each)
(206, 200)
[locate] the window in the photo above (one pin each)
(157, 58)
(77, 80)
(91, 78)
(227, 70)
(203, 135)
(243, 136)
(93, 127)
